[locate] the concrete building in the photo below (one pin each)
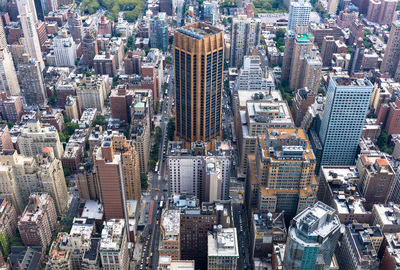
(356, 57)
(266, 229)
(75, 26)
(32, 82)
(392, 53)
(381, 12)
(130, 166)
(53, 117)
(64, 50)
(393, 118)
(253, 77)
(376, 178)
(340, 141)
(205, 175)
(31, 256)
(359, 247)
(200, 121)
(159, 32)
(312, 70)
(332, 6)
(5, 139)
(10, 107)
(92, 91)
(223, 249)
(166, 263)
(132, 62)
(34, 137)
(303, 99)
(387, 217)
(299, 13)
(105, 64)
(8, 222)
(8, 75)
(38, 221)
(254, 112)
(105, 27)
(89, 48)
(72, 108)
(270, 186)
(170, 235)
(391, 259)
(31, 39)
(245, 34)
(113, 250)
(108, 166)
(312, 238)
(141, 114)
(59, 258)
(338, 189)
(196, 223)
(211, 12)
(327, 50)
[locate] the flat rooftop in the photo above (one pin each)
(346, 81)
(223, 243)
(171, 221)
(199, 30)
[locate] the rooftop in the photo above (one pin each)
(393, 246)
(388, 214)
(317, 221)
(223, 243)
(350, 82)
(112, 235)
(93, 209)
(171, 222)
(199, 30)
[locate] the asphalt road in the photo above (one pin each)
(240, 222)
(158, 191)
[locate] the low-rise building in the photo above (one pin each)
(114, 245)
(59, 258)
(266, 230)
(391, 256)
(166, 263)
(223, 249)
(338, 189)
(387, 217)
(170, 236)
(359, 247)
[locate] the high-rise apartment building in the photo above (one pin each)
(38, 221)
(32, 82)
(332, 6)
(198, 65)
(205, 175)
(356, 57)
(132, 62)
(327, 50)
(31, 39)
(92, 91)
(113, 250)
(281, 175)
(343, 119)
(245, 34)
(52, 178)
(312, 238)
(223, 249)
(312, 70)
(8, 75)
(288, 54)
(109, 174)
(253, 77)
(10, 107)
(376, 178)
(64, 50)
(75, 26)
(302, 50)
(130, 166)
(34, 137)
(392, 52)
(89, 48)
(159, 32)
(8, 222)
(381, 11)
(359, 246)
(299, 13)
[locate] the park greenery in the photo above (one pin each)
(268, 6)
(132, 8)
(280, 39)
(382, 142)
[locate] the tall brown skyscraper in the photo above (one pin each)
(392, 53)
(199, 65)
(108, 167)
